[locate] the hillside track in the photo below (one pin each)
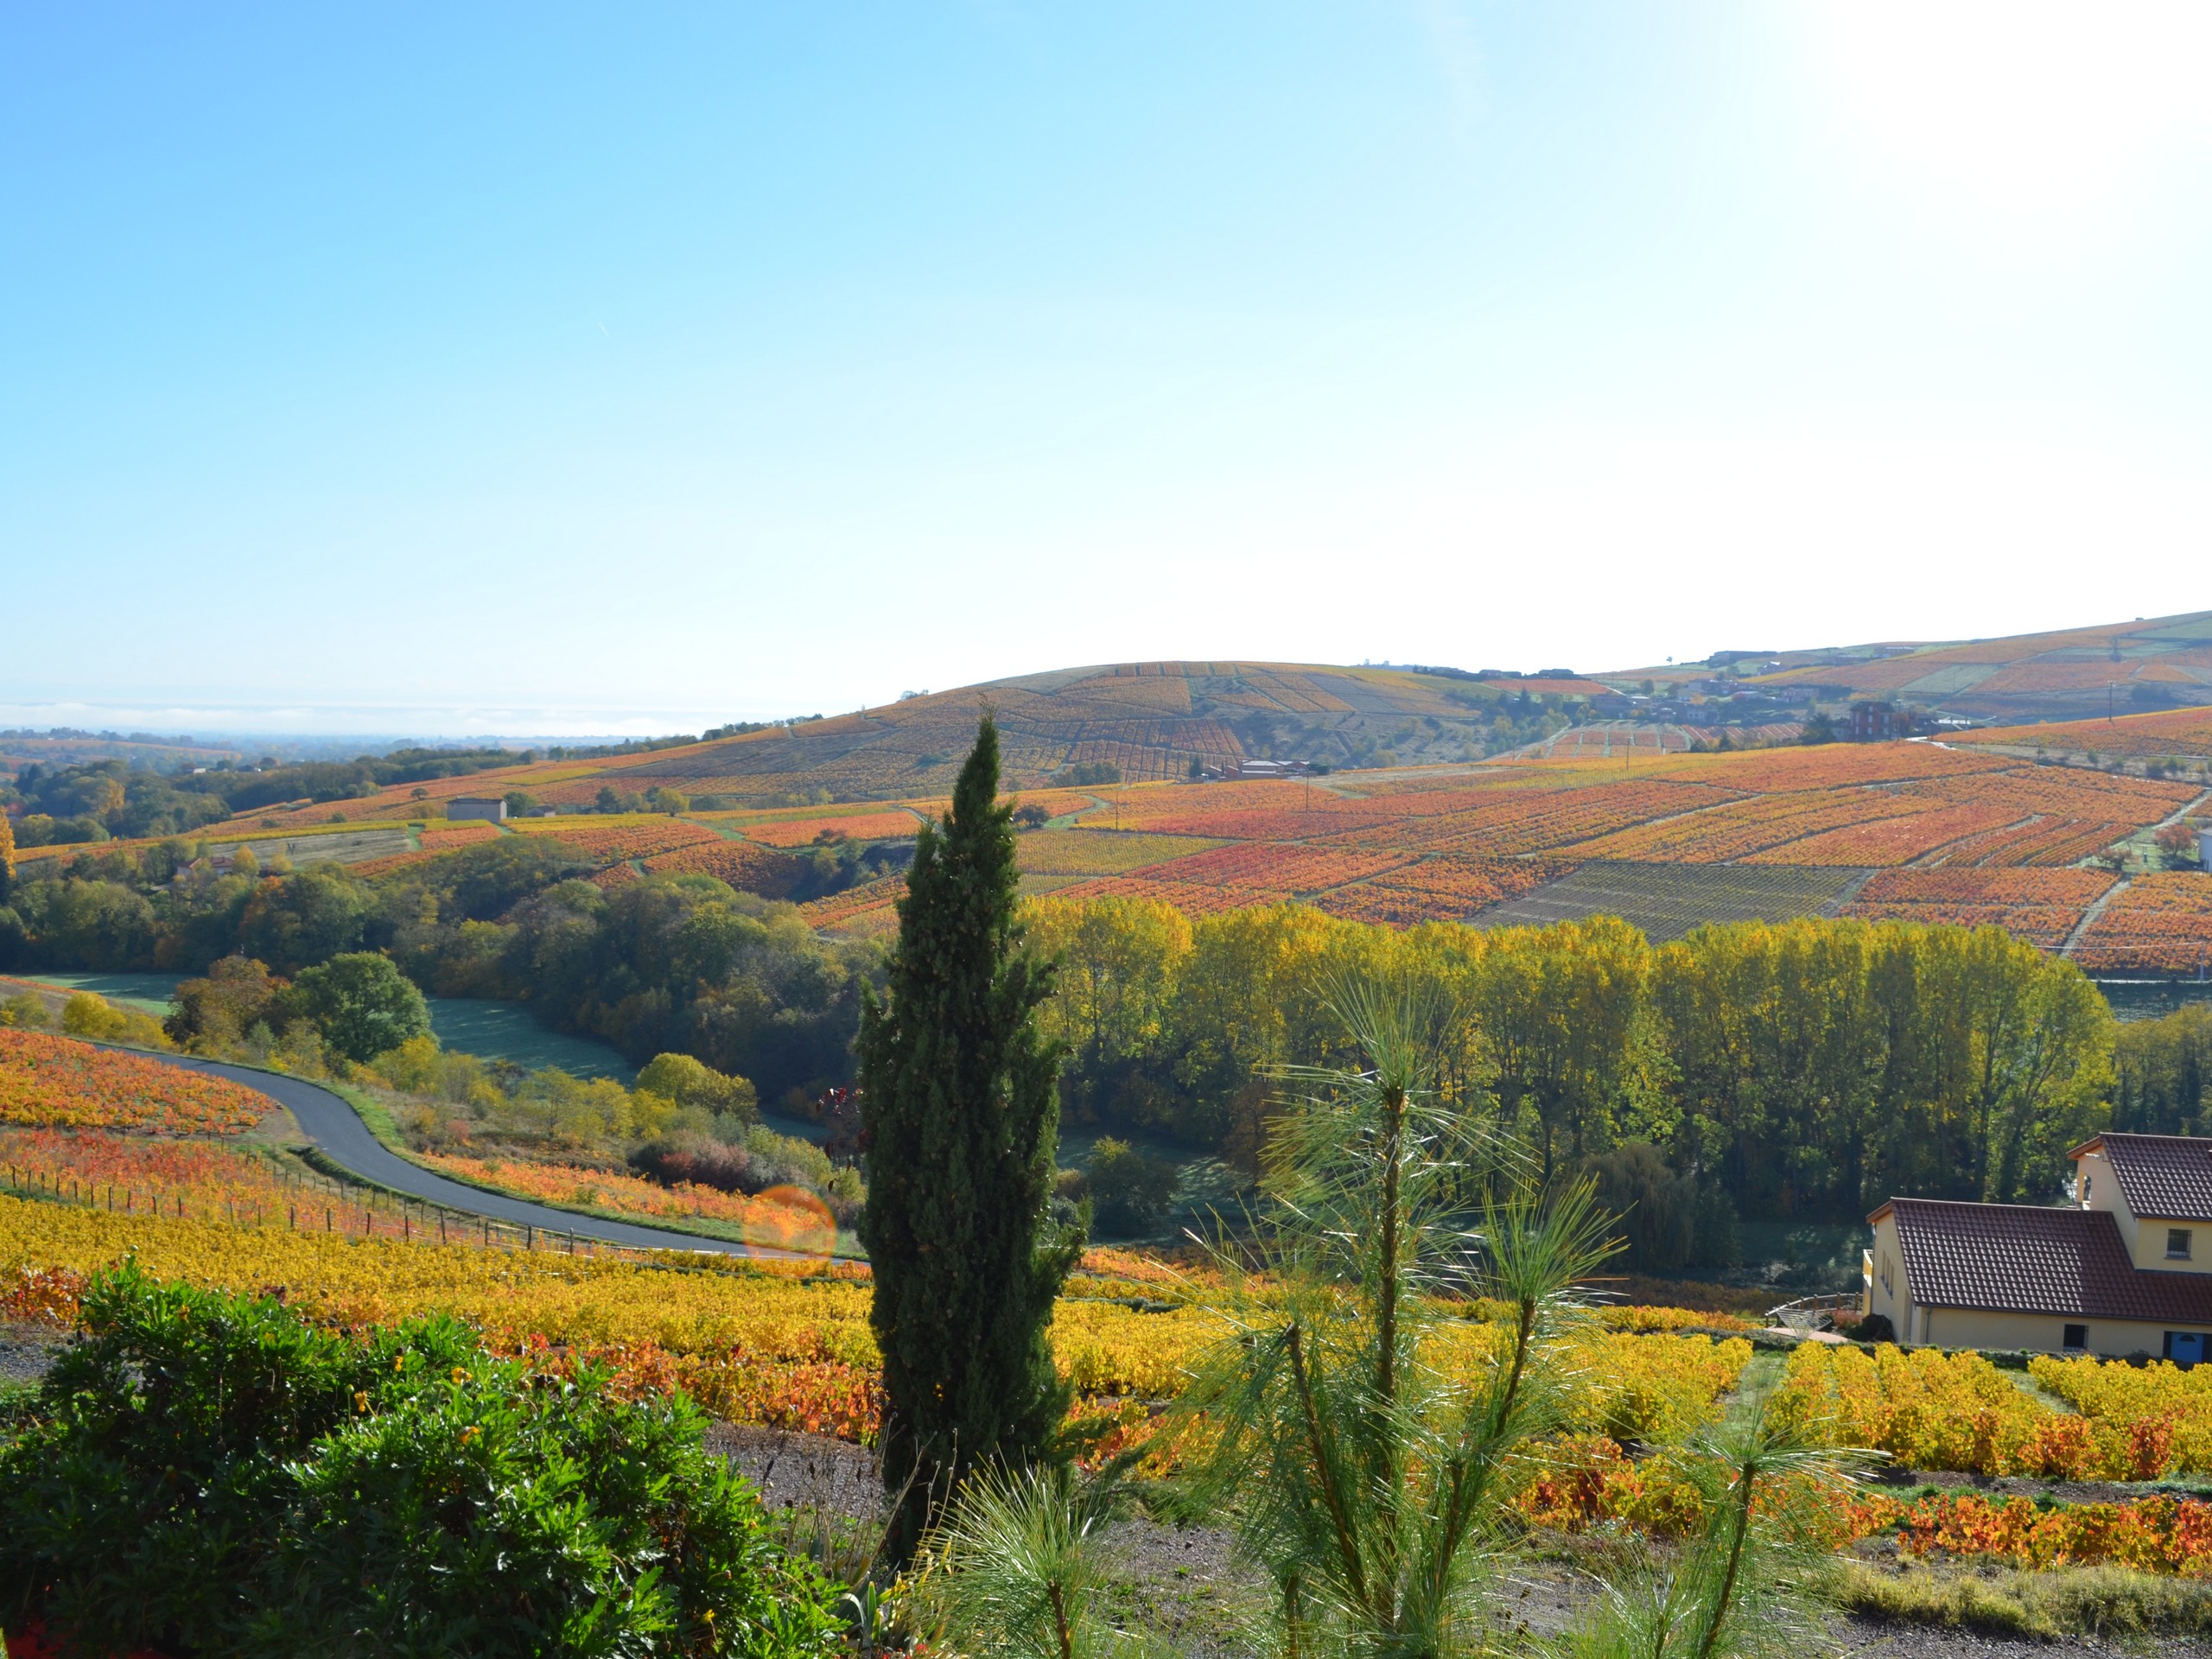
(337, 1131)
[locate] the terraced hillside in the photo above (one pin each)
(2147, 665)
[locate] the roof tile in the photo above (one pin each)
(2164, 1177)
(2016, 1258)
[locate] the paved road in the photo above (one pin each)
(335, 1127)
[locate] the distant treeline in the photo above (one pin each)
(104, 798)
(679, 964)
(1810, 1069)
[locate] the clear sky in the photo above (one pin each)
(544, 368)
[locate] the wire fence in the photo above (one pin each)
(303, 1201)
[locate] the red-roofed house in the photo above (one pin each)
(2126, 1268)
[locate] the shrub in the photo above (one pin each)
(1129, 1189)
(210, 1474)
(688, 1083)
(762, 1159)
(95, 1018)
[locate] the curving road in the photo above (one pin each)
(336, 1127)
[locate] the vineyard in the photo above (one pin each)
(757, 1343)
(2160, 924)
(1783, 832)
(786, 1218)
(55, 1081)
(1405, 816)
(851, 826)
(2066, 676)
(1100, 852)
(2041, 906)
(789, 1345)
(614, 842)
(2181, 734)
(755, 869)
(1667, 901)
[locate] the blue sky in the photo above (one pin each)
(547, 369)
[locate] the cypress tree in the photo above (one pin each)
(960, 1112)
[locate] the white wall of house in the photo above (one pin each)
(1972, 1327)
(1889, 1294)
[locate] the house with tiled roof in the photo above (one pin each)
(2124, 1268)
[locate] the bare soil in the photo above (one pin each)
(27, 1352)
(1189, 1584)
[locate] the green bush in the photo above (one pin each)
(210, 1474)
(1130, 1189)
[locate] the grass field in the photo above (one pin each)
(506, 1030)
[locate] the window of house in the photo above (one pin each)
(2177, 1243)
(2088, 1181)
(2077, 1335)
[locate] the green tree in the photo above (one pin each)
(1365, 1477)
(688, 1083)
(362, 1004)
(961, 1116)
(1132, 1188)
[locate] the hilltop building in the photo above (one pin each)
(2118, 1272)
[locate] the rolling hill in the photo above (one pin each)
(1150, 722)
(1436, 804)
(2150, 663)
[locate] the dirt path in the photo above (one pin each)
(2088, 916)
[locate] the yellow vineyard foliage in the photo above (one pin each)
(1926, 1409)
(2160, 1415)
(1103, 1347)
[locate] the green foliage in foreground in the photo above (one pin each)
(208, 1473)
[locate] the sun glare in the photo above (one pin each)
(2028, 108)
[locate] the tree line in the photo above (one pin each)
(671, 964)
(1806, 1069)
(60, 805)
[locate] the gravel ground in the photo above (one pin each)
(1187, 1584)
(26, 1351)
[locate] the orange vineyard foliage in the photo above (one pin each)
(784, 1218)
(614, 844)
(756, 869)
(1584, 1481)
(2040, 905)
(54, 1080)
(443, 837)
(2160, 924)
(856, 826)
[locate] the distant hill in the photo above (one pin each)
(1150, 722)
(2137, 667)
